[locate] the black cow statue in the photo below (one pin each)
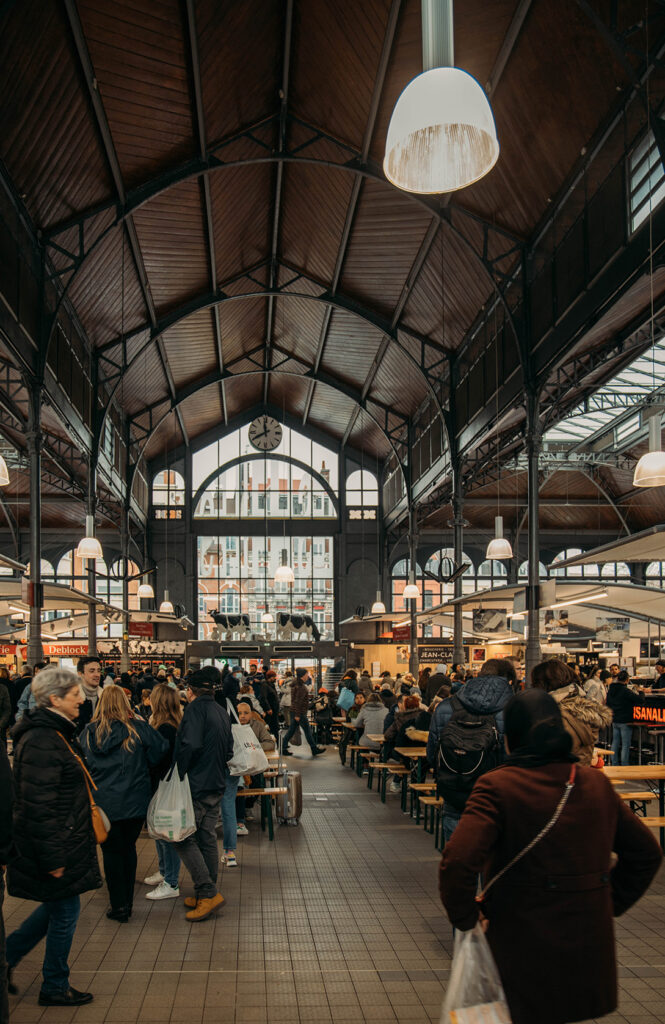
(230, 624)
(289, 624)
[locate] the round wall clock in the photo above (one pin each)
(265, 433)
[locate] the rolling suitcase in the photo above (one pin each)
(289, 805)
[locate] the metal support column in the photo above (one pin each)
(125, 664)
(413, 603)
(458, 551)
(91, 563)
(34, 441)
(533, 443)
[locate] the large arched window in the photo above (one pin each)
(362, 489)
(264, 487)
(655, 574)
(523, 571)
(574, 571)
(168, 494)
(400, 578)
(615, 571)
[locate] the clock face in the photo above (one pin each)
(265, 433)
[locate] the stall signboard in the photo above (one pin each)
(8, 650)
(490, 620)
(402, 634)
(438, 654)
(556, 622)
(650, 713)
(612, 629)
(141, 629)
(63, 650)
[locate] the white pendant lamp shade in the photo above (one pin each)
(378, 608)
(411, 592)
(499, 547)
(145, 592)
(284, 574)
(89, 547)
(4, 473)
(650, 470)
(441, 135)
(267, 618)
(166, 606)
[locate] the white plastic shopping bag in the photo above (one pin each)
(171, 811)
(475, 994)
(248, 755)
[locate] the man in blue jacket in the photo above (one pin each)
(203, 747)
(487, 694)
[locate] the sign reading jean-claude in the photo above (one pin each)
(650, 713)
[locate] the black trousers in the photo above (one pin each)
(119, 854)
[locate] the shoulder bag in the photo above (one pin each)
(100, 823)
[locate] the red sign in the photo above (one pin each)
(7, 650)
(63, 650)
(652, 712)
(402, 634)
(141, 629)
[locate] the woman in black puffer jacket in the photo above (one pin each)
(57, 852)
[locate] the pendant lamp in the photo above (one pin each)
(378, 608)
(145, 592)
(499, 547)
(4, 473)
(267, 618)
(89, 547)
(166, 606)
(650, 470)
(284, 573)
(441, 135)
(411, 590)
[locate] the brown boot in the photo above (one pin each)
(190, 901)
(205, 907)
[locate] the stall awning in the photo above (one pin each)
(646, 546)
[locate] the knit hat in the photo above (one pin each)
(301, 673)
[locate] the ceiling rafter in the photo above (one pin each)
(206, 197)
(102, 124)
(377, 92)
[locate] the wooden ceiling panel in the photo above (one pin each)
(350, 347)
(173, 244)
(190, 348)
(242, 326)
(331, 411)
(240, 47)
(47, 139)
(242, 200)
(337, 48)
(387, 233)
(243, 393)
(297, 327)
(144, 382)
(398, 382)
(315, 202)
(139, 59)
(203, 411)
(367, 436)
(167, 437)
(289, 393)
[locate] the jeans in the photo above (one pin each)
(304, 725)
(229, 820)
(449, 822)
(4, 998)
(199, 851)
(621, 738)
(119, 856)
(57, 921)
(169, 862)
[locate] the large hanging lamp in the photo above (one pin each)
(441, 135)
(411, 591)
(284, 573)
(166, 606)
(145, 592)
(650, 470)
(378, 608)
(89, 547)
(499, 547)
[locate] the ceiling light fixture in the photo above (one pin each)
(597, 595)
(166, 607)
(89, 547)
(267, 618)
(650, 470)
(441, 135)
(145, 592)
(499, 547)
(378, 608)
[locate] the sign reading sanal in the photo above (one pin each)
(652, 712)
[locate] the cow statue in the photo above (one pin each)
(231, 624)
(287, 625)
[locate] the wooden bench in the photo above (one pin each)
(355, 762)
(384, 767)
(433, 810)
(266, 795)
(415, 790)
(642, 798)
(653, 822)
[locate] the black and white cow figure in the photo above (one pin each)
(231, 624)
(287, 625)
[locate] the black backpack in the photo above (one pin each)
(468, 747)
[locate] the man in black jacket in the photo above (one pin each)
(89, 671)
(203, 747)
(6, 805)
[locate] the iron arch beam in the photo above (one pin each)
(209, 300)
(210, 162)
(215, 378)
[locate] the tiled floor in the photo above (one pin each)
(336, 921)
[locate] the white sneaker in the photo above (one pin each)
(154, 879)
(395, 786)
(242, 830)
(230, 860)
(164, 891)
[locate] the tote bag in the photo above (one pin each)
(248, 755)
(346, 699)
(171, 811)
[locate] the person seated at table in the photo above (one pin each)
(434, 684)
(348, 735)
(370, 721)
(395, 735)
(424, 719)
(323, 715)
(387, 695)
(406, 684)
(350, 680)
(246, 716)
(583, 718)
(356, 707)
(246, 693)
(621, 700)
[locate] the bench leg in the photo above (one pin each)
(382, 789)
(404, 792)
(269, 815)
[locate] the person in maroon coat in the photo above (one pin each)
(549, 918)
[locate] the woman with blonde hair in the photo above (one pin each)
(120, 748)
(166, 718)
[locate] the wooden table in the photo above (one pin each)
(642, 772)
(375, 737)
(418, 754)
